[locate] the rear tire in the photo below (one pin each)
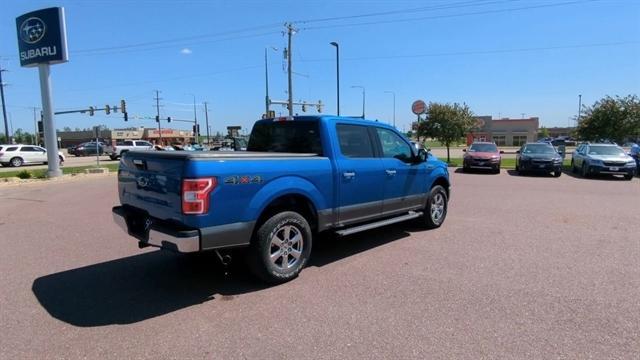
(573, 167)
(280, 248)
(436, 210)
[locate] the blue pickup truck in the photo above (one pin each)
(300, 176)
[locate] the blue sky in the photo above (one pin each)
(503, 58)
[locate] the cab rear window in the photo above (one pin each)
(285, 136)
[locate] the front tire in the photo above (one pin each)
(16, 162)
(584, 171)
(436, 210)
(281, 247)
(557, 173)
(628, 177)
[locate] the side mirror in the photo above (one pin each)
(422, 155)
(501, 151)
(517, 151)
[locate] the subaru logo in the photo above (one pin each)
(142, 181)
(32, 30)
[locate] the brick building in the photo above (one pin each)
(504, 132)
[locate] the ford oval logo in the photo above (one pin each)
(142, 181)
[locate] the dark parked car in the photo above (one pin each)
(538, 157)
(482, 155)
(591, 159)
(88, 149)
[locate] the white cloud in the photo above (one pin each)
(186, 51)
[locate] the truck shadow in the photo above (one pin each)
(155, 283)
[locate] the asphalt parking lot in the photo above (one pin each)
(524, 267)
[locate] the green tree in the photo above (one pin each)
(66, 128)
(446, 123)
(610, 118)
(543, 133)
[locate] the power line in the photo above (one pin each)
(479, 52)
(457, 5)
(483, 12)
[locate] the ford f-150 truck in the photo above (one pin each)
(300, 176)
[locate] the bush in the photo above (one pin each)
(24, 174)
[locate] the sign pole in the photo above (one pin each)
(50, 139)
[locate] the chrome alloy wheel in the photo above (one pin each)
(437, 208)
(286, 247)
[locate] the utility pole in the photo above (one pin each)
(206, 116)
(157, 99)
(4, 109)
(579, 110)
(290, 32)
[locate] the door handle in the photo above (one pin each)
(349, 174)
(390, 172)
(430, 167)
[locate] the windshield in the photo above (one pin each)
(285, 136)
(538, 149)
(483, 148)
(606, 150)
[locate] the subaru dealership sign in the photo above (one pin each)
(42, 37)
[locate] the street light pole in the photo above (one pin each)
(394, 106)
(337, 73)
(363, 97)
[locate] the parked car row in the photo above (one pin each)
(17, 155)
(588, 159)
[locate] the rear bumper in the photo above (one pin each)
(153, 232)
(184, 241)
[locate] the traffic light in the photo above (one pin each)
(40, 127)
(157, 118)
(196, 129)
(304, 107)
(126, 117)
(91, 110)
(123, 106)
(169, 119)
(107, 109)
(320, 104)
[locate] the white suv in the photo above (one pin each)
(17, 155)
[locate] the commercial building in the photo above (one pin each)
(167, 136)
(505, 131)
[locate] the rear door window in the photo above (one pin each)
(12, 148)
(355, 141)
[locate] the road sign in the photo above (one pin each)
(42, 37)
(418, 107)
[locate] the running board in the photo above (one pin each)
(377, 224)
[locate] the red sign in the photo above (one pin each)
(418, 107)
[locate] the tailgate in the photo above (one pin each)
(150, 181)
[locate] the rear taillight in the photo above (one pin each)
(195, 195)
